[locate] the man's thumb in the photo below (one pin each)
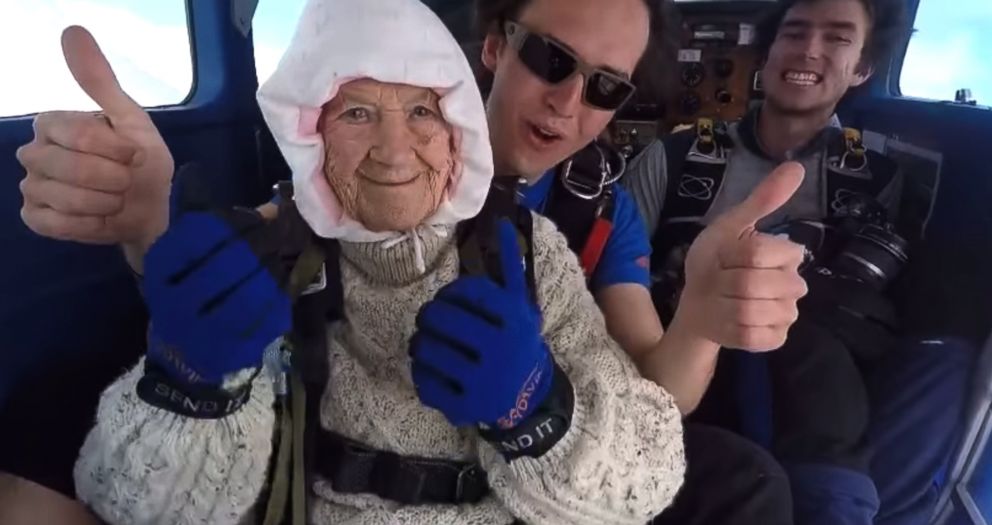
(93, 73)
(773, 192)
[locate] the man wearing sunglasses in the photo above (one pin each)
(560, 69)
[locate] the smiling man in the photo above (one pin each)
(815, 52)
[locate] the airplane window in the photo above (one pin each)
(147, 43)
(951, 51)
(272, 29)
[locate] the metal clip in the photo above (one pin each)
(608, 175)
(319, 283)
(855, 149)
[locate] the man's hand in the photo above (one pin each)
(742, 286)
(97, 178)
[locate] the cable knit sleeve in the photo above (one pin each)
(142, 464)
(622, 459)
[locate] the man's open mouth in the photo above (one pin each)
(545, 135)
(802, 78)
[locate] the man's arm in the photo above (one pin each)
(680, 362)
(741, 292)
(23, 502)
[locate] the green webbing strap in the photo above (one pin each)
(289, 478)
(299, 400)
(307, 267)
(278, 493)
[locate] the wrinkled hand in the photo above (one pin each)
(478, 354)
(212, 285)
(96, 178)
(742, 286)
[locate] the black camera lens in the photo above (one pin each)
(874, 256)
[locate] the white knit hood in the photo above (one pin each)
(393, 41)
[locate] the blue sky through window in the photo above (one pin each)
(952, 49)
(146, 42)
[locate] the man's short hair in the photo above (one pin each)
(888, 28)
(656, 71)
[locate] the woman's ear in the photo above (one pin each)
(492, 47)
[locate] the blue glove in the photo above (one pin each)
(212, 288)
(478, 355)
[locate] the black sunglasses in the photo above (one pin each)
(551, 62)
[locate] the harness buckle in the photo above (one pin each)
(711, 140)
(854, 157)
(586, 188)
(466, 485)
(319, 282)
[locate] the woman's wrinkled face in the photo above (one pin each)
(389, 153)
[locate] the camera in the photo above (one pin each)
(858, 243)
(875, 253)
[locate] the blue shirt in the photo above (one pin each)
(626, 257)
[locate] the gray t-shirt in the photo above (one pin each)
(647, 180)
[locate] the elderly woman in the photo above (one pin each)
(376, 111)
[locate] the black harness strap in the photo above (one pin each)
(853, 171)
(696, 160)
(581, 202)
(478, 244)
(353, 468)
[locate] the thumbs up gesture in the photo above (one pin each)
(96, 178)
(478, 355)
(741, 285)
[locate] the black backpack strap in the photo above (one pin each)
(696, 162)
(853, 172)
(581, 201)
(695, 171)
(478, 244)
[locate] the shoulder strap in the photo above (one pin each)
(478, 245)
(853, 170)
(696, 162)
(677, 147)
(581, 201)
(314, 284)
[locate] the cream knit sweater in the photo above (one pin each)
(620, 462)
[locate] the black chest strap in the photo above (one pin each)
(353, 468)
